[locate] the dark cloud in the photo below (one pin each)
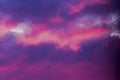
(41, 10)
(95, 51)
(30, 8)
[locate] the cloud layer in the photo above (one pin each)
(58, 40)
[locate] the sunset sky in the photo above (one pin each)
(59, 39)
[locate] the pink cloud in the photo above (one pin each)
(63, 39)
(82, 4)
(35, 34)
(70, 34)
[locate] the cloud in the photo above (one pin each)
(69, 34)
(56, 40)
(82, 4)
(20, 10)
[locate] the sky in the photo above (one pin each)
(59, 39)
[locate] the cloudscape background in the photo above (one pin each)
(59, 40)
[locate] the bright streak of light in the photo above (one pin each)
(21, 29)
